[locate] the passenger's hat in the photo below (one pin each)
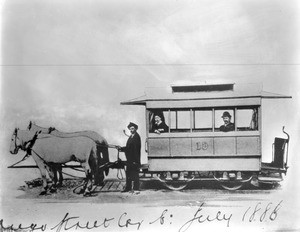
(132, 124)
(226, 114)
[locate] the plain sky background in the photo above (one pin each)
(70, 63)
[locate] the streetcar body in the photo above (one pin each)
(194, 140)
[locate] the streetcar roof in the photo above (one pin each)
(203, 92)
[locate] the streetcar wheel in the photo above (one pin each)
(175, 186)
(231, 185)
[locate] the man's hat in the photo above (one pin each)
(226, 114)
(132, 124)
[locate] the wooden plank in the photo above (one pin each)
(248, 145)
(106, 186)
(203, 103)
(199, 164)
(224, 145)
(159, 147)
(180, 146)
(35, 166)
(205, 134)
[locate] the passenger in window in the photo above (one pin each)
(253, 123)
(228, 125)
(159, 125)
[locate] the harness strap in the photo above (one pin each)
(32, 142)
(39, 157)
(108, 145)
(76, 169)
(24, 158)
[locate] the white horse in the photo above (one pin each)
(48, 150)
(102, 145)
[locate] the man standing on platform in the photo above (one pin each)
(133, 157)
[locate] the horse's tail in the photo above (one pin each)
(103, 148)
(105, 154)
(95, 157)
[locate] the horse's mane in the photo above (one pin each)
(50, 129)
(91, 134)
(44, 129)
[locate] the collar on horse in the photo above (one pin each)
(28, 145)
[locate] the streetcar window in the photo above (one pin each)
(202, 120)
(240, 119)
(158, 120)
(173, 120)
(180, 121)
(224, 120)
(247, 119)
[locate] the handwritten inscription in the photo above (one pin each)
(68, 223)
(20, 227)
(123, 222)
(258, 213)
(200, 217)
(261, 213)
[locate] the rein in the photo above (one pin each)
(24, 158)
(31, 143)
(40, 157)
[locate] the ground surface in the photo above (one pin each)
(151, 191)
(203, 206)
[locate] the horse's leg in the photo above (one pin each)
(57, 169)
(90, 162)
(87, 170)
(95, 163)
(54, 173)
(100, 172)
(105, 156)
(51, 168)
(42, 168)
(61, 178)
(88, 180)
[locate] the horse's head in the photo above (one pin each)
(15, 143)
(21, 139)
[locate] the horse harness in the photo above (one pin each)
(27, 146)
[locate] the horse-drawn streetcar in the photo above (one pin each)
(209, 131)
(193, 132)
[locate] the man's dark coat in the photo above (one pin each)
(133, 157)
(133, 150)
(226, 128)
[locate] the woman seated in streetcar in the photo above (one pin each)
(159, 126)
